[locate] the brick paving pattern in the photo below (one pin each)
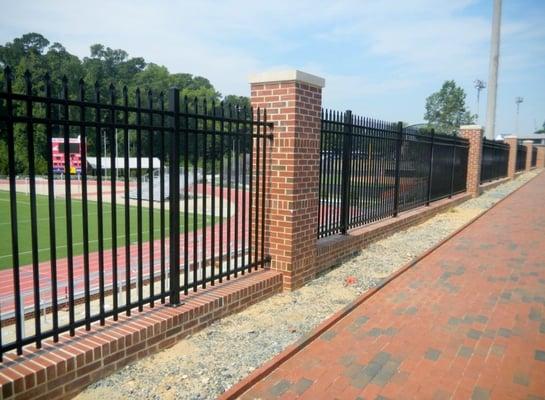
(466, 322)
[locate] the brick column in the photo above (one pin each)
(474, 133)
(540, 156)
(529, 145)
(293, 100)
(512, 165)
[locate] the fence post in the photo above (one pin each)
(174, 197)
(452, 169)
(346, 171)
(512, 164)
(529, 145)
(399, 142)
(430, 170)
(293, 100)
(540, 162)
(474, 133)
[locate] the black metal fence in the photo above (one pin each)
(521, 158)
(370, 170)
(534, 157)
(188, 210)
(494, 161)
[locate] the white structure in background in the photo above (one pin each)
(119, 163)
(537, 138)
(493, 71)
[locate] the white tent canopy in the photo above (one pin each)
(120, 162)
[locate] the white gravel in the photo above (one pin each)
(209, 362)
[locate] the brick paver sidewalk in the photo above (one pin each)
(466, 322)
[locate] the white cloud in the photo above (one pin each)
(394, 47)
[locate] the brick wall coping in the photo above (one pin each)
(388, 222)
(288, 75)
(61, 370)
(333, 250)
(527, 142)
(467, 127)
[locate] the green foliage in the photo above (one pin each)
(446, 109)
(104, 66)
(542, 130)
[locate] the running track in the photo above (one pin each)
(26, 278)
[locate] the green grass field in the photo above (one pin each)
(42, 209)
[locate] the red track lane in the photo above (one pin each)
(25, 272)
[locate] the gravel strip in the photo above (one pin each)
(209, 362)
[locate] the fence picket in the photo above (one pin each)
(194, 135)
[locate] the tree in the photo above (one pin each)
(33, 52)
(446, 109)
(542, 130)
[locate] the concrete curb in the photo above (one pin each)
(245, 384)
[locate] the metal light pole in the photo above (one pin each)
(104, 152)
(493, 72)
(479, 85)
(116, 155)
(518, 100)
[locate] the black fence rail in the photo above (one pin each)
(494, 161)
(371, 170)
(534, 157)
(521, 158)
(159, 195)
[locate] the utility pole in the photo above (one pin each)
(104, 153)
(518, 100)
(116, 155)
(479, 85)
(493, 72)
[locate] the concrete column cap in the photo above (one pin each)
(287, 75)
(527, 142)
(471, 127)
(510, 137)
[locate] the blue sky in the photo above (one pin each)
(379, 58)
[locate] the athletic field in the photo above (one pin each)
(42, 209)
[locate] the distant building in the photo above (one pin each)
(537, 138)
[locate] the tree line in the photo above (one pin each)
(103, 67)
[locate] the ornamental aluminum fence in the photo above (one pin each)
(95, 250)
(534, 157)
(521, 158)
(371, 170)
(494, 160)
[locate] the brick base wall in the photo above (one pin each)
(474, 133)
(333, 250)
(540, 161)
(63, 369)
